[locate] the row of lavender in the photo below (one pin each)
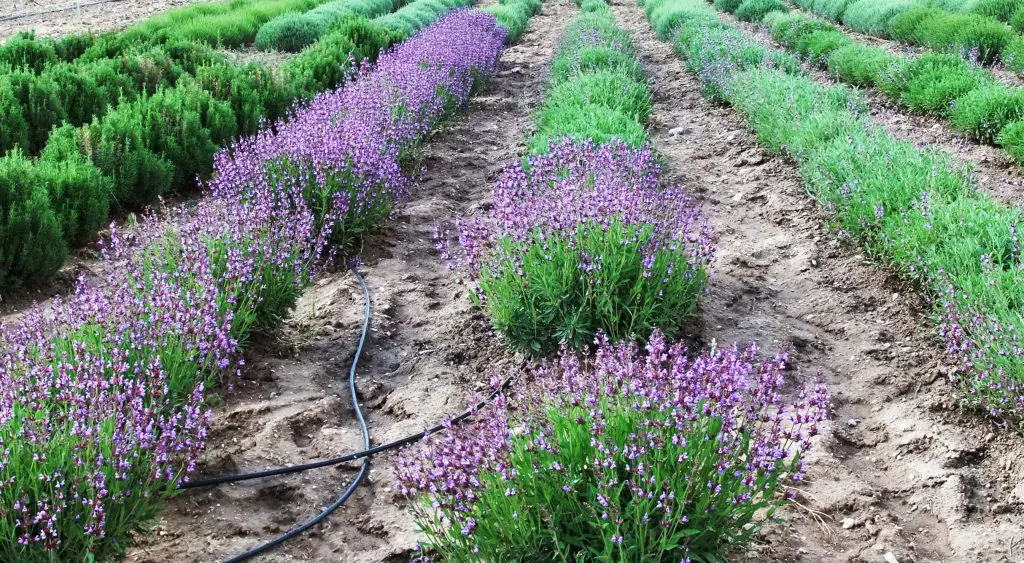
(103, 396)
(624, 454)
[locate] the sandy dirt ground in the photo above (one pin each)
(902, 474)
(55, 18)
(429, 352)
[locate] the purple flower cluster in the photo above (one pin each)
(102, 403)
(344, 150)
(599, 213)
(625, 453)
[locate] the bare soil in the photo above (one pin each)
(902, 471)
(429, 353)
(55, 18)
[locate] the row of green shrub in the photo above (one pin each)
(940, 84)
(514, 15)
(152, 144)
(975, 31)
(914, 209)
(598, 87)
(295, 31)
(418, 14)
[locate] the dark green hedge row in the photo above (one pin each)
(418, 14)
(172, 118)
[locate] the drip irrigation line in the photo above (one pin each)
(56, 10)
(410, 439)
(363, 470)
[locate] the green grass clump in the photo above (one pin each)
(605, 89)
(969, 35)
(1011, 138)
(1002, 10)
(514, 15)
(1017, 21)
(323, 65)
(830, 9)
(727, 5)
(790, 28)
(295, 31)
(290, 33)
(756, 10)
(818, 46)
(984, 112)
(593, 6)
(416, 15)
(931, 83)
(873, 16)
(859, 64)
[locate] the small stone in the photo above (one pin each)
(890, 558)
(852, 423)
(849, 523)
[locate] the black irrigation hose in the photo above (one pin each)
(56, 10)
(363, 470)
(411, 439)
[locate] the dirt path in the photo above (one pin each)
(996, 172)
(57, 18)
(428, 351)
(901, 470)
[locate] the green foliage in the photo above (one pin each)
(819, 45)
(1013, 55)
(72, 46)
(227, 24)
(1001, 10)
(930, 83)
(79, 194)
(323, 66)
(514, 15)
(727, 5)
(14, 128)
(985, 111)
(830, 9)
(859, 64)
(1011, 138)
(606, 89)
(668, 17)
(1017, 21)
(293, 32)
(418, 14)
(593, 6)
(25, 50)
(600, 124)
(788, 29)
(290, 33)
(873, 16)
(39, 99)
(968, 35)
(255, 92)
(755, 10)
(32, 246)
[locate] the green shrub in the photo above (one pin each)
(1001, 10)
(593, 6)
(514, 15)
(831, 9)
(1017, 21)
(597, 123)
(1013, 55)
(79, 192)
(791, 28)
(970, 35)
(859, 64)
(597, 59)
(32, 246)
(727, 5)
(323, 66)
(74, 45)
(254, 91)
(38, 96)
(667, 19)
(15, 131)
(931, 82)
(606, 89)
(817, 46)
(1011, 138)
(25, 50)
(984, 112)
(873, 16)
(80, 96)
(792, 114)
(755, 10)
(291, 33)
